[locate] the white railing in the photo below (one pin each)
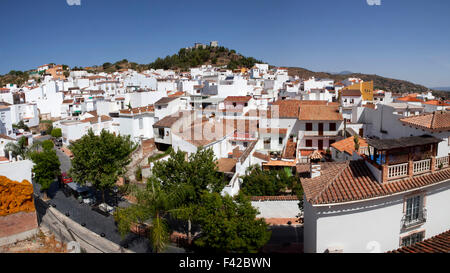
(422, 166)
(398, 170)
(442, 162)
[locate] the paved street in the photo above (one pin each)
(282, 236)
(94, 221)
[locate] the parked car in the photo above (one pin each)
(87, 197)
(82, 193)
(66, 178)
(104, 209)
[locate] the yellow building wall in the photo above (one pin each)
(366, 89)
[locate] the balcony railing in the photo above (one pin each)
(414, 219)
(422, 166)
(442, 162)
(399, 170)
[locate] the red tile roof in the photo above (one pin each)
(290, 151)
(436, 103)
(437, 244)
(226, 165)
(320, 112)
(352, 181)
(410, 99)
(145, 109)
(436, 121)
(348, 145)
(351, 93)
(238, 98)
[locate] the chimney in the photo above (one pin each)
(314, 170)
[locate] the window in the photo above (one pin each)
(280, 140)
(413, 209)
(352, 101)
(234, 104)
(161, 132)
(332, 126)
(246, 104)
(233, 143)
(309, 143)
(245, 144)
(309, 126)
(267, 143)
(413, 238)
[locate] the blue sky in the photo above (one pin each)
(404, 39)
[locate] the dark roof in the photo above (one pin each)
(165, 100)
(404, 142)
(437, 244)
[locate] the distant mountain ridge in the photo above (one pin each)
(383, 83)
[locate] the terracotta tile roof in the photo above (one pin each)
(167, 121)
(290, 151)
(437, 244)
(238, 98)
(261, 156)
(320, 112)
(436, 103)
(137, 110)
(280, 163)
(352, 181)
(410, 99)
(67, 101)
(436, 121)
(287, 108)
(165, 100)
(2, 158)
(176, 94)
(94, 120)
(348, 145)
(121, 98)
(6, 137)
(351, 93)
(226, 165)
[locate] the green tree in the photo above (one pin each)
(229, 225)
(56, 132)
(195, 175)
(47, 144)
(18, 149)
(356, 141)
(153, 203)
(100, 159)
(46, 167)
(49, 129)
(258, 182)
(21, 125)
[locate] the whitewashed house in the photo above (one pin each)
(392, 198)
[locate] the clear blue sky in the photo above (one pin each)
(404, 39)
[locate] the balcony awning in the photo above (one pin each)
(404, 142)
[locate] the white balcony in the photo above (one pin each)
(398, 170)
